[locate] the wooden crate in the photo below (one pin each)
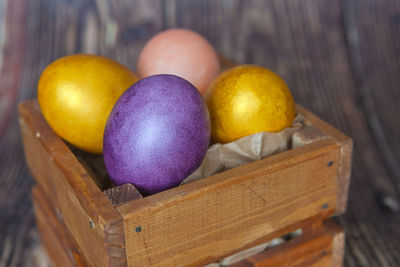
(197, 223)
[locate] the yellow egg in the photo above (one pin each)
(76, 94)
(248, 99)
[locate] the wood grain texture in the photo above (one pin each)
(345, 160)
(121, 194)
(306, 135)
(18, 238)
(208, 219)
(293, 186)
(338, 56)
(58, 243)
(88, 214)
(95, 167)
(324, 247)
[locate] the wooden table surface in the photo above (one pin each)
(340, 58)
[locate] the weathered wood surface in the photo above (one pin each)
(206, 220)
(246, 205)
(345, 159)
(89, 215)
(121, 194)
(339, 57)
(323, 247)
(55, 238)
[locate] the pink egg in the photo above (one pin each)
(183, 53)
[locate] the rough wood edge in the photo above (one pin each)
(219, 180)
(92, 199)
(312, 248)
(114, 241)
(344, 173)
(114, 233)
(90, 163)
(102, 213)
(121, 194)
(112, 228)
(304, 224)
(57, 234)
(345, 160)
(136, 212)
(88, 235)
(339, 243)
(306, 135)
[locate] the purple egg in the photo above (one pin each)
(157, 134)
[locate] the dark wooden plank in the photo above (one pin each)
(36, 33)
(90, 217)
(17, 234)
(339, 57)
(121, 194)
(56, 239)
(242, 205)
(373, 35)
(322, 247)
(306, 43)
(346, 152)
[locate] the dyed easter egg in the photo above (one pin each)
(183, 53)
(76, 94)
(248, 99)
(157, 134)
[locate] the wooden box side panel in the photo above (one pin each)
(89, 216)
(206, 220)
(60, 247)
(346, 152)
(323, 247)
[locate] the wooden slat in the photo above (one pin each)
(306, 135)
(314, 62)
(206, 220)
(63, 251)
(338, 242)
(346, 143)
(122, 193)
(346, 151)
(89, 216)
(323, 247)
(60, 247)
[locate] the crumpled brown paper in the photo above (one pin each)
(221, 157)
